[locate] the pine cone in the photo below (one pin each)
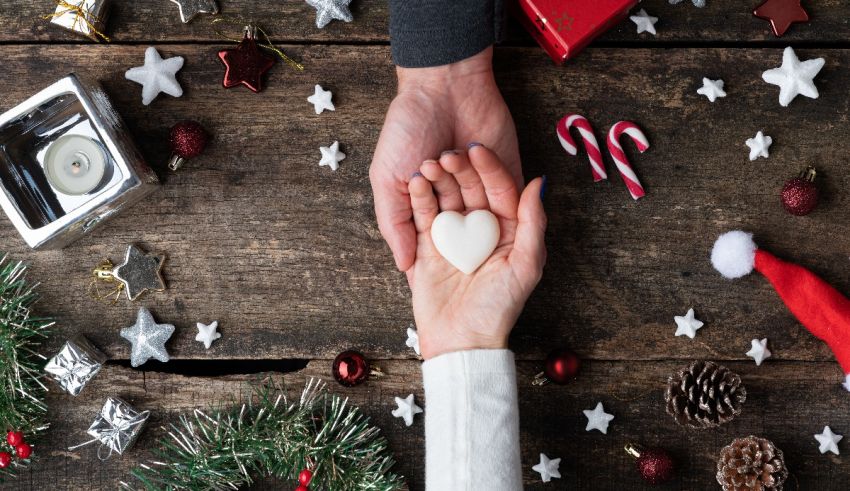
(704, 394)
(751, 464)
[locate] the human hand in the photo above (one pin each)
(436, 108)
(454, 311)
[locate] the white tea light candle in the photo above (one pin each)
(75, 164)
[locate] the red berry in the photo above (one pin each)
(5, 459)
(23, 450)
(14, 438)
(304, 477)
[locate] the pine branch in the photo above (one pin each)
(272, 436)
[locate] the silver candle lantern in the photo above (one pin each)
(67, 163)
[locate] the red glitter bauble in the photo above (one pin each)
(305, 477)
(14, 438)
(245, 64)
(350, 368)
(654, 465)
(800, 195)
(562, 366)
(5, 459)
(23, 450)
(188, 139)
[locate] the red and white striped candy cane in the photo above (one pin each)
(620, 159)
(597, 168)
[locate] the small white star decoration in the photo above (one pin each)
(597, 419)
(794, 77)
(759, 146)
(207, 333)
(157, 75)
(331, 156)
(644, 22)
(328, 10)
(759, 351)
(321, 100)
(547, 468)
(697, 3)
(712, 89)
(406, 409)
(828, 441)
(412, 339)
(687, 325)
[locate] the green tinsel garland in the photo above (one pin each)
(22, 392)
(273, 436)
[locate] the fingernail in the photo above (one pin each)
(449, 152)
(473, 144)
(543, 187)
(416, 174)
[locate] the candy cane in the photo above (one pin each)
(597, 168)
(620, 159)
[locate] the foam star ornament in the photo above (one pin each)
(412, 339)
(547, 468)
(711, 89)
(331, 156)
(597, 419)
(191, 8)
(794, 77)
(644, 22)
(147, 338)
(321, 100)
(406, 409)
(207, 333)
(328, 10)
(828, 441)
(687, 325)
(759, 351)
(697, 3)
(157, 75)
(759, 146)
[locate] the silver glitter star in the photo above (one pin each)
(190, 8)
(328, 10)
(140, 272)
(147, 338)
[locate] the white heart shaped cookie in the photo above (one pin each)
(465, 241)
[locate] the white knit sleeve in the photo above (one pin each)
(472, 422)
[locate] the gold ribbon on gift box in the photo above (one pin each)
(81, 16)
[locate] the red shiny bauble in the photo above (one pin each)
(305, 477)
(562, 366)
(654, 465)
(350, 368)
(245, 64)
(799, 196)
(14, 438)
(23, 450)
(188, 139)
(302, 488)
(5, 459)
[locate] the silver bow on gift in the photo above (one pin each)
(76, 364)
(116, 428)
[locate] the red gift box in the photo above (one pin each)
(565, 27)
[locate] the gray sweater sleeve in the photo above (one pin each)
(438, 32)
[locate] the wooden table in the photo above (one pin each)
(287, 255)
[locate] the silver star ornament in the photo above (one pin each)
(191, 8)
(147, 338)
(140, 272)
(328, 10)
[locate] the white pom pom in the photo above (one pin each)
(734, 254)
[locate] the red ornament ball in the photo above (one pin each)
(562, 366)
(800, 195)
(350, 368)
(14, 438)
(301, 488)
(305, 477)
(23, 450)
(188, 139)
(654, 465)
(5, 459)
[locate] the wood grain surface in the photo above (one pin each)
(287, 255)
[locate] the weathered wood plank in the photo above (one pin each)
(294, 21)
(552, 422)
(287, 256)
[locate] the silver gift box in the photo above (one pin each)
(45, 216)
(76, 363)
(93, 20)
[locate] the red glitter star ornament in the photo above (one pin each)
(246, 63)
(781, 14)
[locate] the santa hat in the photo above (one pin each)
(818, 306)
